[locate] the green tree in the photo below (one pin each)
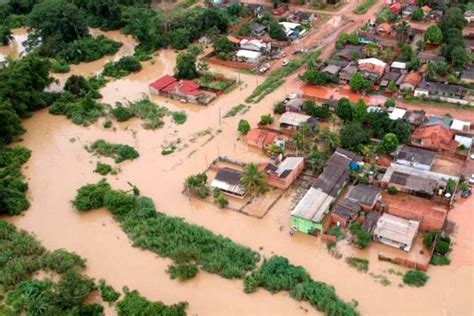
(180, 38)
(406, 53)
(459, 57)
(401, 129)
(316, 161)
(344, 109)
(452, 18)
(392, 87)
(314, 77)
(266, 119)
(388, 144)
(10, 124)
(276, 31)
(185, 66)
(359, 83)
(360, 111)
(223, 45)
(353, 135)
(415, 278)
(390, 103)
(433, 35)
(329, 139)
(253, 180)
(243, 127)
(197, 185)
(418, 15)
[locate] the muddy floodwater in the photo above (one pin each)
(59, 165)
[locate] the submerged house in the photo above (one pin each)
(292, 120)
(309, 213)
(227, 180)
(285, 173)
(260, 138)
(396, 232)
(181, 90)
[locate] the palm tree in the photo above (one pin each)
(253, 180)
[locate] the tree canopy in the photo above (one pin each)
(185, 66)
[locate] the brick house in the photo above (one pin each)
(436, 137)
(283, 175)
(260, 138)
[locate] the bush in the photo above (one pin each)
(183, 271)
(244, 127)
(279, 108)
(266, 119)
(88, 49)
(84, 111)
(197, 185)
(91, 196)
(179, 117)
(442, 247)
(363, 237)
(219, 198)
(121, 113)
(362, 265)
(103, 169)
(438, 260)
(122, 67)
(392, 190)
(107, 292)
(429, 238)
(61, 260)
(415, 278)
(135, 304)
(59, 66)
(118, 152)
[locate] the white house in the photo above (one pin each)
(397, 113)
(289, 27)
(249, 56)
(255, 45)
(459, 125)
(372, 61)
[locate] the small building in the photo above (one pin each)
(249, 56)
(257, 30)
(370, 221)
(384, 28)
(372, 68)
(395, 8)
(295, 105)
(435, 15)
(366, 196)
(430, 57)
(467, 76)
(396, 232)
(181, 90)
(255, 45)
(415, 157)
(345, 212)
(411, 81)
(351, 52)
(408, 12)
(398, 66)
(415, 118)
(283, 175)
(292, 120)
(446, 121)
(292, 30)
(260, 138)
(392, 76)
(227, 180)
(331, 71)
(309, 213)
(462, 126)
(366, 38)
(426, 10)
(445, 92)
(436, 137)
(301, 17)
(347, 72)
(397, 113)
(465, 141)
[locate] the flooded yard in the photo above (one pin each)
(60, 165)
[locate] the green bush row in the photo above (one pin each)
(118, 152)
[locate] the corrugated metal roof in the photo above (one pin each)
(294, 119)
(313, 205)
(397, 229)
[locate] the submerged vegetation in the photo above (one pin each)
(143, 109)
(118, 152)
(415, 278)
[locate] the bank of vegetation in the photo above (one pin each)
(192, 247)
(144, 109)
(65, 288)
(118, 152)
(277, 77)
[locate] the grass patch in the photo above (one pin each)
(277, 77)
(364, 7)
(179, 117)
(361, 265)
(118, 152)
(13, 186)
(236, 110)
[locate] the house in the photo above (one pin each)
(469, 16)
(255, 45)
(445, 92)
(430, 57)
(227, 180)
(308, 214)
(372, 68)
(331, 71)
(292, 120)
(182, 90)
(260, 138)
(397, 113)
(415, 157)
(366, 196)
(426, 10)
(398, 66)
(347, 72)
(462, 126)
(446, 121)
(384, 28)
(435, 15)
(414, 181)
(396, 232)
(411, 81)
(345, 212)
(351, 52)
(370, 221)
(463, 141)
(301, 17)
(292, 30)
(408, 12)
(366, 38)
(249, 56)
(392, 76)
(395, 8)
(283, 175)
(257, 30)
(342, 63)
(294, 105)
(467, 76)
(436, 137)
(415, 118)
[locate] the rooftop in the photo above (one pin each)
(260, 135)
(250, 54)
(441, 87)
(435, 137)
(415, 155)
(294, 119)
(228, 179)
(413, 78)
(396, 229)
(364, 194)
(313, 205)
(459, 125)
(288, 165)
(397, 113)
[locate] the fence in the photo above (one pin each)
(405, 262)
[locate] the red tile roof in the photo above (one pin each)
(435, 137)
(262, 136)
(396, 8)
(372, 68)
(163, 82)
(186, 87)
(412, 78)
(384, 27)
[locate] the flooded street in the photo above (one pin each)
(59, 165)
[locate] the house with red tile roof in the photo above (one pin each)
(435, 137)
(384, 28)
(411, 81)
(181, 90)
(260, 138)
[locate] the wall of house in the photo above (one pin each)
(305, 226)
(335, 218)
(285, 183)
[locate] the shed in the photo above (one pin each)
(249, 56)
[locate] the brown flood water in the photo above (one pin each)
(59, 165)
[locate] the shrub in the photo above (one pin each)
(219, 198)
(179, 117)
(392, 190)
(61, 260)
(91, 196)
(108, 293)
(363, 237)
(135, 304)
(183, 271)
(88, 49)
(266, 119)
(438, 260)
(415, 278)
(197, 185)
(84, 111)
(121, 113)
(119, 202)
(118, 152)
(279, 108)
(362, 265)
(429, 238)
(442, 247)
(244, 127)
(103, 169)
(122, 67)
(59, 66)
